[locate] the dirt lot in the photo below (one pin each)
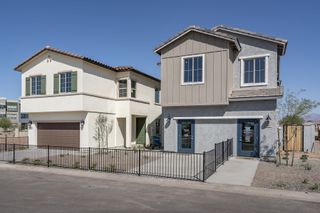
(303, 176)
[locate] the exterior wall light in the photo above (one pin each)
(82, 124)
(29, 124)
(268, 119)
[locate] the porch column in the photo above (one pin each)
(128, 131)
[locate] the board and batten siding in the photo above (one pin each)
(217, 71)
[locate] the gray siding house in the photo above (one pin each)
(221, 83)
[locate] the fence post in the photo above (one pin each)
(89, 158)
(204, 166)
(48, 160)
(227, 149)
(215, 157)
(139, 173)
(5, 143)
(14, 154)
(222, 152)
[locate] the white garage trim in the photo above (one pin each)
(218, 117)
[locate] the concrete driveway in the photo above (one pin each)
(39, 189)
(236, 171)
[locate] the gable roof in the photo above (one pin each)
(83, 58)
(282, 43)
(198, 29)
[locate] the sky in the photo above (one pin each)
(122, 33)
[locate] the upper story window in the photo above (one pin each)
(157, 95)
(122, 88)
(65, 82)
(3, 106)
(193, 69)
(133, 89)
(12, 107)
(254, 70)
(36, 85)
(24, 116)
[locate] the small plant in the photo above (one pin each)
(307, 167)
(281, 184)
(50, 162)
(112, 168)
(94, 166)
(83, 156)
(76, 165)
(304, 157)
(315, 187)
(305, 181)
(36, 162)
(25, 160)
(62, 155)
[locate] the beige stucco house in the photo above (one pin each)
(63, 93)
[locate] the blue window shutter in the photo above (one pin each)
(27, 86)
(43, 85)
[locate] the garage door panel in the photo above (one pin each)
(59, 134)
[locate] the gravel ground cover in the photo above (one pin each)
(304, 175)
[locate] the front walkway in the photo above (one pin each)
(236, 171)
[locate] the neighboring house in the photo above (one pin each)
(63, 93)
(217, 84)
(11, 109)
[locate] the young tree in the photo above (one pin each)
(5, 124)
(102, 130)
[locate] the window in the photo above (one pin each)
(192, 69)
(157, 95)
(122, 88)
(133, 89)
(65, 82)
(254, 71)
(36, 85)
(2, 106)
(24, 116)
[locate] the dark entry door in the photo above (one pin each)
(248, 138)
(186, 136)
(141, 131)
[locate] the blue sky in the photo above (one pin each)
(126, 32)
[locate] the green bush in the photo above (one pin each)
(315, 187)
(76, 165)
(36, 162)
(25, 160)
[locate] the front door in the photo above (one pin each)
(248, 138)
(186, 136)
(141, 131)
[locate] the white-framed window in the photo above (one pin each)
(123, 88)
(254, 70)
(192, 69)
(36, 85)
(65, 82)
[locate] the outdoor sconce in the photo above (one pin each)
(168, 117)
(268, 119)
(29, 124)
(82, 124)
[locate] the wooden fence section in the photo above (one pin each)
(14, 140)
(293, 137)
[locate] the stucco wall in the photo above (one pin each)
(208, 132)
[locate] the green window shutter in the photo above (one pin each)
(74, 82)
(56, 83)
(27, 86)
(43, 85)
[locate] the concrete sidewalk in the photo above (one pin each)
(236, 171)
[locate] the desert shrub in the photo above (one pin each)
(25, 160)
(76, 165)
(36, 162)
(307, 167)
(111, 168)
(280, 184)
(304, 157)
(315, 187)
(305, 181)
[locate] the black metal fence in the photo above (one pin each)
(188, 166)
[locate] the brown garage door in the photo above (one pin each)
(59, 134)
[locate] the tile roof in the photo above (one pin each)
(84, 58)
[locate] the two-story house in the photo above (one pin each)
(221, 83)
(64, 93)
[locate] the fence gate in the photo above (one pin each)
(293, 137)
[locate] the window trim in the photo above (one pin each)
(182, 69)
(65, 82)
(266, 67)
